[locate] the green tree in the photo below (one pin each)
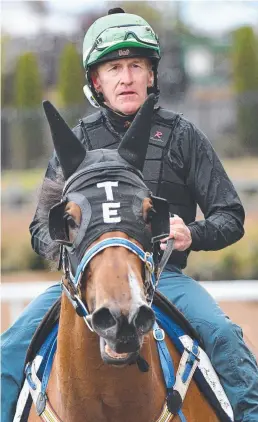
(27, 138)
(71, 76)
(28, 85)
(245, 74)
(3, 42)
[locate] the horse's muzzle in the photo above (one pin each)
(121, 335)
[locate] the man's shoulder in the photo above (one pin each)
(166, 115)
(185, 132)
(90, 119)
(87, 122)
(170, 116)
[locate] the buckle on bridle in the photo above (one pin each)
(159, 334)
(148, 264)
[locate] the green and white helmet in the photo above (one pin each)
(118, 35)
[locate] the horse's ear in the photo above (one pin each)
(133, 147)
(69, 149)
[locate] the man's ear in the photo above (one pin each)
(151, 79)
(95, 80)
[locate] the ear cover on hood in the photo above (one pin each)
(133, 147)
(69, 149)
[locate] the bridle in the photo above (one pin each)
(151, 271)
(43, 407)
(153, 267)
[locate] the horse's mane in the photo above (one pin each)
(51, 193)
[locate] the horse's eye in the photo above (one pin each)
(150, 215)
(70, 222)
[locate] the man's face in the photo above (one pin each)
(124, 83)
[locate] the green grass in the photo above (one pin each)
(28, 180)
(240, 168)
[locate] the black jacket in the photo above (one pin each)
(180, 166)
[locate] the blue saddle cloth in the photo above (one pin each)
(168, 317)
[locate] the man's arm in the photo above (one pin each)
(40, 238)
(215, 194)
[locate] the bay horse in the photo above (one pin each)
(105, 206)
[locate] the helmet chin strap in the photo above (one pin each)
(90, 97)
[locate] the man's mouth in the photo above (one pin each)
(125, 93)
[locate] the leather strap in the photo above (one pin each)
(163, 262)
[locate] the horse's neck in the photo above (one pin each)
(84, 388)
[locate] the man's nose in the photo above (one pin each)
(126, 77)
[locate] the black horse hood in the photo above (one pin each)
(98, 160)
(110, 194)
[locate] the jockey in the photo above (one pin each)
(121, 64)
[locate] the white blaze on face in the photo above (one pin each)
(110, 214)
(136, 292)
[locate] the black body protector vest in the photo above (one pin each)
(159, 175)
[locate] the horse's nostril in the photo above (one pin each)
(102, 319)
(144, 319)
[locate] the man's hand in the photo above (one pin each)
(180, 233)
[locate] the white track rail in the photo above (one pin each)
(16, 295)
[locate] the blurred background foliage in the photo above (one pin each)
(245, 76)
(212, 79)
(28, 91)
(70, 70)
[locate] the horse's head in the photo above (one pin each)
(106, 224)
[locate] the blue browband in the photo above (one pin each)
(146, 257)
